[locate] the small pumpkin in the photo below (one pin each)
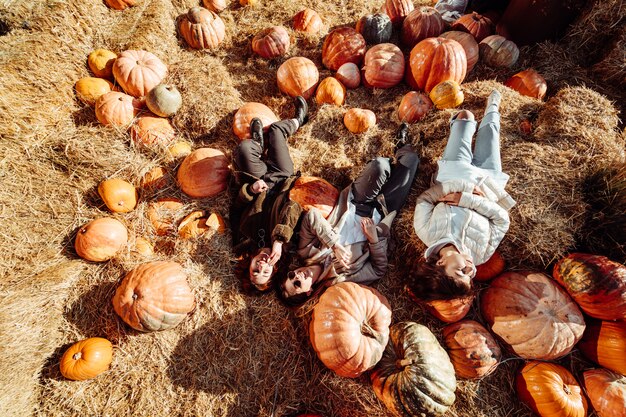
(138, 72)
(375, 28)
(154, 296)
(359, 120)
(116, 109)
(120, 4)
(308, 21)
(415, 376)
(298, 76)
(447, 95)
(423, 22)
(150, 130)
(469, 44)
(604, 342)
(475, 24)
(201, 28)
(413, 107)
(397, 10)
(193, 225)
(349, 75)
(473, 351)
(155, 179)
(101, 239)
(163, 213)
(492, 268)
(330, 91)
(178, 150)
(343, 45)
(606, 391)
(550, 390)
(450, 311)
(350, 327)
(315, 192)
(204, 173)
(384, 66)
(435, 60)
(86, 359)
(528, 83)
(247, 112)
(216, 6)
(271, 42)
(119, 196)
(164, 100)
(89, 89)
(497, 51)
(101, 62)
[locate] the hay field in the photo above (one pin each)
(237, 355)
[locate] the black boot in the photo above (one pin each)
(302, 111)
(256, 131)
(402, 136)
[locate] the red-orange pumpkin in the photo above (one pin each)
(86, 359)
(476, 24)
(298, 76)
(342, 45)
(204, 173)
(497, 51)
(247, 112)
(150, 130)
(384, 66)
(397, 10)
(349, 75)
(359, 120)
(423, 22)
(606, 391)
(308, 21)
(138, 72)
(469, 44)
(315, 192)
(528, 83)
(101, 239)
(435, 60)
(271, 42)
(330, 91)
(116, 109)
(201, 28)
(490, 269)
(604, 342)
(450, 311)
(413, 107)
(473, 351)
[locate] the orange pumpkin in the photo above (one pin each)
(550, 390)
(350, 328)
(475, 24)
(497, 51)
(397, 10)
(155, 179)
(596, 283)
(204, 173)
(89, 89)
(435, 60)
(330, 91)
(116, 109)
(384, 66)
(86, 359)
(193, 225)
(154, 296)
(101, 62)
(606, 391)
(447, 95)
(163, 213)
(342, 45)
(359, 120)
(450, 311)
(215, 6)
(201, 28)
(413, 107)
(490, 269)
(532, 315)
(314, 192)
(473, 351)
(528, 83)
(101, 239)
(271, 42)
(138, 72)
(469, 44)
(423, 22)
(247, 112)
(307, 21)
(604, 342)
(120, 4)
(349, 75)
(119, 196)
(150, 130)
(298, 76)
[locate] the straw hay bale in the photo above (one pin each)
(612, 67)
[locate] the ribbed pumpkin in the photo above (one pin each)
(271, 42)
(298, 76)
(116, 109)
(150, 130)
(330, 91)
(596, 283)
(154, 296)
(397, 10)
(384, 66)
(447, 95)
(359, 120)
(450, 311)
(204, 173)
(119, 196)
(550, 390)
(528, 83)
(314, 192)
(423, 22)
(375, 28)
(307, 21)
(247, 112)
(163, 213)
(415, 376)
(120, 4)
(497, 51)
(349, 328)
(413, 107)
(155, 179)
(349, 75)
(342, 45)
(475, 24)
(469, 44)
(435, 60)
(604, 342)
(101, 62)
(201, 28)
(164, 100)
(492, 268)
(606, 391)
(473, 351)
(532, 315)
(89, 89)
(101, 239)
(138, 72)
(86, 359)
(215, 6)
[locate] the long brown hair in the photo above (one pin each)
(242, 271)
(429, 281)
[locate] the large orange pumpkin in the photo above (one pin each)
(204, 173)
(86, 359)
(384, 66)
(596, 283)
(473, 351)
(497, 51)
(298, 76)
(397, 10)
(101, 239)
(120, 4)
(469, 44)
(154, 296)
(349, 75)
(359, 120)
(528, 83)
(314, 192)
(330, 91)
(119, 196)
(247, 112)
(447, 94)
(475, 24)
(423, 22)
(116, 109)
(604, 342)
(138, 72)
(342, 45)
(492, 268)
(308, 21)
(413, 107)
(350, 328)
(606, 391)
(201, 28)
(150, 130)
(532, 315)
(435, 60)
(271, 42)
(163, 213)
(89, 89)
(101, 62)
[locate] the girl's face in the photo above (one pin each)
(459, 266)
(260, 270)
(301, 280)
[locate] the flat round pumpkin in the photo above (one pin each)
(477, 25)
(138, 72)
(298, 76)
(86, 359)
(116, 109)
(359, 120)
(271, 42)
(314, 192)
(204, 173)
(606, 391)
(119, 195)
(101, 62)
(473, 351)
(247, 112)
(89, 89)
(375, 28)
(447, 95)
(450, 311)
(342, 45)
(384, 66)
(497, 51)
(101, 239)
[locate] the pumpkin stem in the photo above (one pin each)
(367, 330)
(135, 296)
(400, 364)
(566, 389)
(77, 356)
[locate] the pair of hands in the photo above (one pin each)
(259, 186)
(369, 230)
(453, 199)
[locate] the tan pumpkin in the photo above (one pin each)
(120, 4)
(164, 213)
(359, 120)
(247, 112)
(151, 130)
(550, 390)
(193, 225)
(164, 100)
(271, 42)
(330, 91)
(119, 196)
(116, 109)
(606, 391)
(201, 28)
(86, 359)
(604, 342)
(298, 76)
(138, 72)
(101, 62)
(89, 89)
(215, 6)
(204, 173)
(154, 296)
(469, 44)
(155, 179)
(492, 268)
(497, 51)
(349, 75)
(423, 22)
(532, 315)
(349, 328)
(450, 311)
(397, 10)
(435, 60)
(308, 21)
(384, 66)
(413, 107)
(342, 45)
(143, 247)
(178, 150)
(315, 192)
(528, 83)
(447, 95)
(101, 239)
(475, 24)
(473, 351)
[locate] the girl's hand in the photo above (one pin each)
(451, 199)
(277, 250)
(258, 187)
(477, 191)
(341, 254)
(369, 229)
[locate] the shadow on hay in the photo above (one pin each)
(51, 369)
(85, 116)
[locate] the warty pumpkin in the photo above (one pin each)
(308, 21)
(384, 66)
(423, 22)
(469, 44)
(138, 72)
(216, 6)
(349, 75)
(89, 89)
(330, 91)
(247, 112)
(101, 62)
(116, 109)
(315, 192)
(413, 107)
(86, 359)
(298, 76)
(497, 51)
(447, 95)
(201, 28)
(604, 342)
(397, 10)
(120, 4)
(359, 120)
(150, 130)
(119, 195)
(375, 28)
(473, 351)
(101, 239)
(435, 60)
(475, 24)
(164, 100)
(271, 42)
(163, 213)
(492, 268)
(528, 83)
(204, 173)
(606, 391)
(342, 45)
